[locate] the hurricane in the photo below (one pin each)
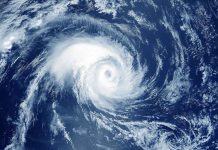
(108, 75)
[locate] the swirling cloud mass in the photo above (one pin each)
(102, 71)
(108, 74)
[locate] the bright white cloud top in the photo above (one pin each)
(102, 71)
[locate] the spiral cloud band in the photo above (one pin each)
(103, 71)
(118, 74)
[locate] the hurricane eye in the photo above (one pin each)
(108, 74)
